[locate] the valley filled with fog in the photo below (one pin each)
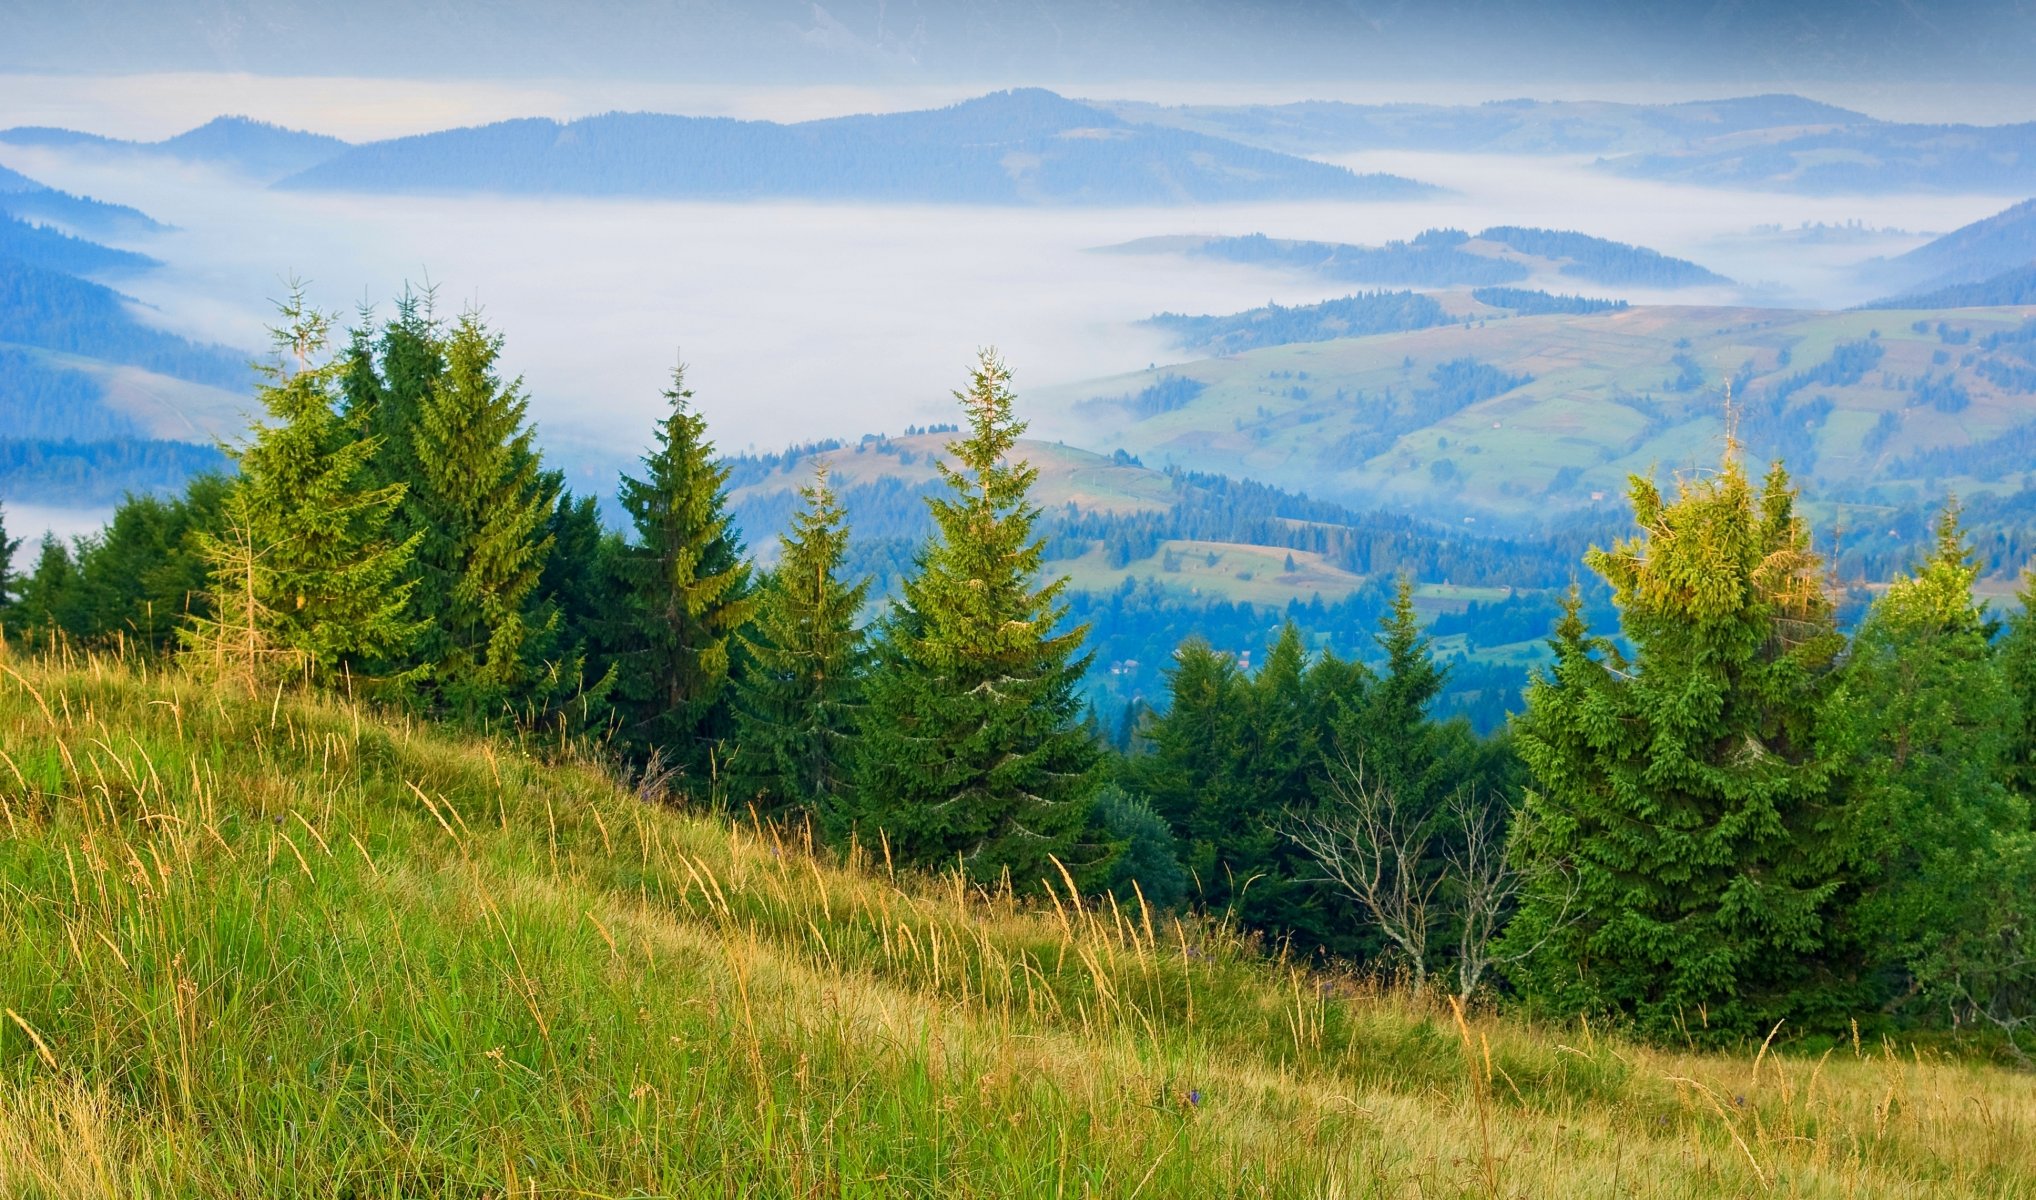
(804, 320)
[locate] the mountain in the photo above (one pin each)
(54, 250)
(1860, 158)
(241, 144)
(2017, 286)
(1019, 147)
(1451, 258)
(24, 198)
(1497, 127)
(1970, 254)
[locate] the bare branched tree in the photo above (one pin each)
(1371, 844)
(1380, 850)
(1488, 881)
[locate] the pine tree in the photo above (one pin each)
(386, 382)
(10, 581)
(973, 748)
(797, 697)
(1926, 717)
(684, 591)
(52, 607)
(334, 585)
(233, 642)
(1683, 838)
(481, 502)
(2017, 655)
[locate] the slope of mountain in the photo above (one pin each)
(300, 926)
(51, 310)
(1530, 416)
(1863, 158)
(1020, 147)
(1452, 258)
(242, 144)
(25, 198)
(1970, 254)
(2017, 286)
(39, 246)
(1498, 127)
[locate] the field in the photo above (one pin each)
(274, 946)
(1608, 396)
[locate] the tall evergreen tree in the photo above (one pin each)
(973, 747)
(482, 505)
(1683, 838)
(2017, 653)
(1926, 718)
(798, 693)
(333, 581)
(51, 603)
(387, 379)
(10, 580)
(684, 591)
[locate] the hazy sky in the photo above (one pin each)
(153, 105)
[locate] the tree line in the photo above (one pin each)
(1723, 816)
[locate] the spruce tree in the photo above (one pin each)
(1926, 716)
(683, 590)
(2017, 654)
(333, 582)
(973, 748)
(51, 603)
(482, 506)
(1683, 837)
(798, 693)
(10, 581)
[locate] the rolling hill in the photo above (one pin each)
(276, 946)
(1525, 416)
(241, 144)
(1441, 258)
(1020, 147)
(1971, 254)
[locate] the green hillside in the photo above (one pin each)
(266, 946)
(1533, 415)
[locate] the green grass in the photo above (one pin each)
(278, 946)
(1507, 451)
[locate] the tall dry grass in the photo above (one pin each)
(277, 945)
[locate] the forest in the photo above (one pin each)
(1717, 815)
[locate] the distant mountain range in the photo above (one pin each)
(1770, 142)
(1027, 146)
(242, 144)
(95, 402)
(1502, 254)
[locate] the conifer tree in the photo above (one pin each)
(797, 696)
(10, 581)
(1926, 716)
(683, 591)
(50, 603)
(973, 747)
(482, 506)
(2017, 653)
(1682, 835)
(333, 584)
(386, 382)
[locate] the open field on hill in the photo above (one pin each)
(268, 946)
(1578, 402)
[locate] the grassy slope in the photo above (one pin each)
(1508, 450)
(273, 947)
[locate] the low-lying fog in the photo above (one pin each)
(804, 321)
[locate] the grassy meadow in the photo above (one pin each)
(277, 946)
